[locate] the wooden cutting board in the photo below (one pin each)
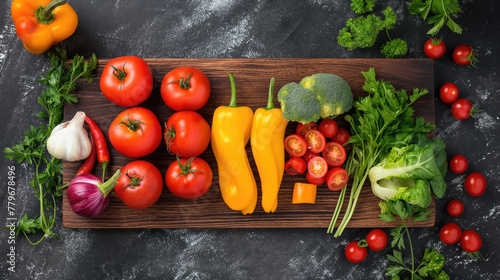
(252, 81)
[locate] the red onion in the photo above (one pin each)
(88, 195)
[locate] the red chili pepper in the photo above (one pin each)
(88, 165)
(101, 144)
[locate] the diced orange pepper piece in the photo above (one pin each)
(304, 193)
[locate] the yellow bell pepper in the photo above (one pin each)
(41, 24)
(231, 128)
(268, 133)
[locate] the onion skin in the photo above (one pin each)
(88, 196)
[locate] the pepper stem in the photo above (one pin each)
(233, 91)
(270, 98)
(44, 14)
(108, 186)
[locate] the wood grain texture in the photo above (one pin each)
(252, 81)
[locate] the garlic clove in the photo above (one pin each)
(69, 141)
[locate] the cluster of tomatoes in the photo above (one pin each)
(475, 185)
(376, 240)
(136, 132)
(309, 151)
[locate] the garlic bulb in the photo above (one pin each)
(69, 141)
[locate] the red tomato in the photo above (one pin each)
(470, 241)
(295, 145)
(377, 239)
(434, 48)
(317, 167)
(336, 178)
(309, 155)
(458, 164)
(455, 208)
(450, 233)
(135, 132)
(127, 81)
(302, 128)
(475, 184)
(315, 140)
(334, 154)
(354, 253)
(295, 165)
(461, 109)
(187, 134)
(464, 55)
(140, 185)
(189, 178)
(342, 136)
(185, 89)
(328, 127)
(448, 93)
(315, 181)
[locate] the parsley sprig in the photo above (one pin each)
(60, 82)
(437, 13)
(432, 261)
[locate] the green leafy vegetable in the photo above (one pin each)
(60, 81)
(298, 103)
(380, 121)
(394, 48)
(437, 13)
(362, 6)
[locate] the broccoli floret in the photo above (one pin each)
(333, 92)
(298, 103)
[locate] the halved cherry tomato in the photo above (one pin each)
(317, 167)
(315, 141)
(334, 154)
(302, 128)
(328, 127)
(315, 181)
(342, 136)
(295, 145)
(336, 178)
(304, 193)
(295, 165)
(185, 89)
(309, 155)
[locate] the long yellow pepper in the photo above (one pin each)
(268, 132)
(231, 128)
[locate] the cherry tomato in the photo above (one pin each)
(448, 93)
(336, 178)
(434, 48)
(458, 164)
(185, 89)
(302, 128)
(135, 132)
(189, 178)
(470, 241)
(315, 181)
(328, 127)
(187, 134)
(455, 208)
(334, 154)
(342, 136)
(295, 165)
(309, 155)
(140, 185)
(475, 184)
(317, 167)
(354, 253)
(461, 109)
(450, 233)
(377, 239)
(127, 81)
(315, 140)
(464, 55)
(295, 145)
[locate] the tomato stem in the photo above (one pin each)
(120, 74)
(134, 181)
(169, 136)
(233, 91)
(44, 15)
(186, 168)
(183, 83)
(270, 98)
(133, 125)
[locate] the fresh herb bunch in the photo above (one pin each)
(437, 13)
(362, 32)
(377, 120)
(60, 80)
(362, 6)
(432, 261)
